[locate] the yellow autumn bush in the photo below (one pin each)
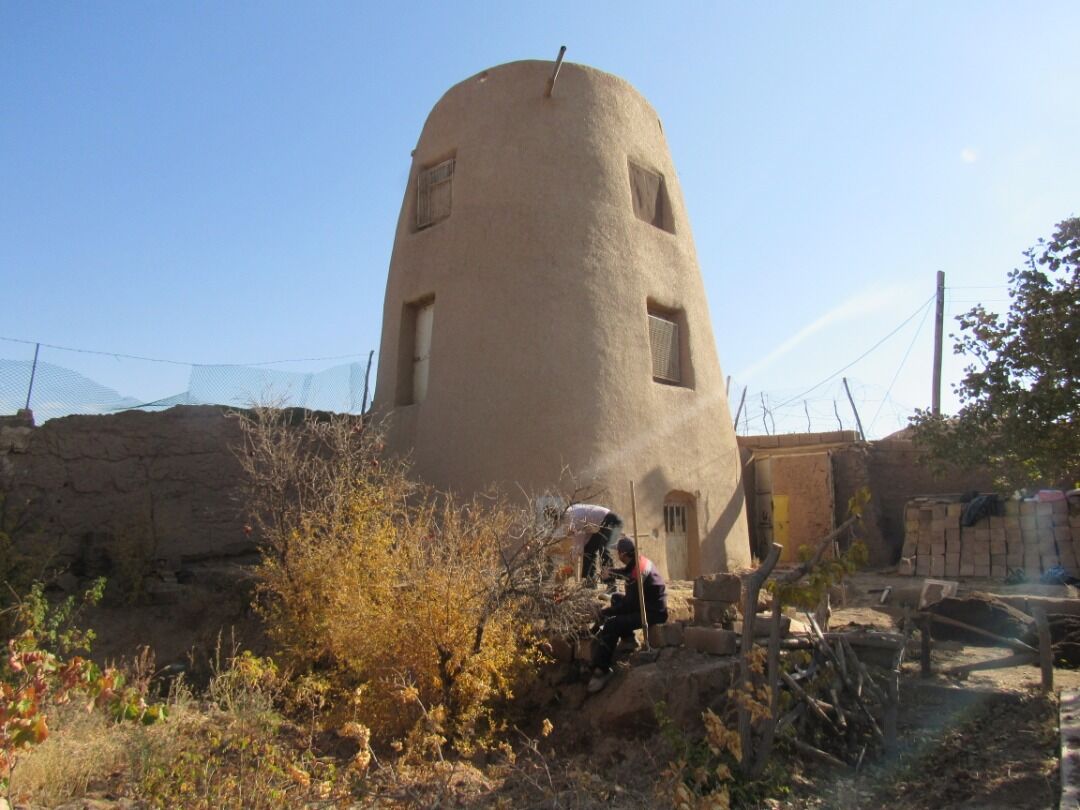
(420, 612)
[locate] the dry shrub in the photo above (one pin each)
(84, 751)
(420, 612)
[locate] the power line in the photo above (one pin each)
(861, 356)
(899, 368)
(176, 362)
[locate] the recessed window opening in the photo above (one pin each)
(414, 356)
(669, 347)
(664, 341)
(650, 198)
(434, 193)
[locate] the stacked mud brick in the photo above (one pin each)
(715, 598)
(1032, 535)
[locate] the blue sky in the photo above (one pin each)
(220, 182)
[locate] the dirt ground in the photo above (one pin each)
(990, 741)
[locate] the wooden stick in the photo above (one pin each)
(1046, 659)
(637, 562)
(769, 734)
(892, 706)
(753, 588)
(924, 627)
(1012, 643)
(819, 755)
(809, 701)
(864, 675)
(823, 545)
(1014, 660)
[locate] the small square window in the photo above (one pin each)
(650, 198)
(664, 342)
(434, 193)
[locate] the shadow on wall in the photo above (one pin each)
(718, 550)
(716, 539)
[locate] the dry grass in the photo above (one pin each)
(84, 753)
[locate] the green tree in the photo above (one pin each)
(1020, 395)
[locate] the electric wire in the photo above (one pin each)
(861, 356)
(176, 362)
(900, 368)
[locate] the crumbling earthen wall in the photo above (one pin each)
(897, 475)
(151, 486)
(891, 468)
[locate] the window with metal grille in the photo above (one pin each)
(674, 518)
(664, 342)
(433, 193)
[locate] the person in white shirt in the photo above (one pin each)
(595, 530)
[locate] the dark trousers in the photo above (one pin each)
(599, 549)
(616, 628)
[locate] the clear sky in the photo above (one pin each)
(220, 182)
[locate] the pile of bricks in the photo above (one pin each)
(714, 601)
(1032, 535)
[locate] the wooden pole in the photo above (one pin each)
(939, 328)
(753, 585)
(637, 565)
(1046, 659)
(742, 400)
(924, 628)
(33, 371)
(858, 421)
(367, 376)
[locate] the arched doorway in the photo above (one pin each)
(680, 534)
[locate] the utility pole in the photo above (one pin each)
(939, 326)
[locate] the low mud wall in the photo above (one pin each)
(134, 488)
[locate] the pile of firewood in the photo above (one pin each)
(839, 709)
(819, 692)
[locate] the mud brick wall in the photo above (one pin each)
(162, 486)
(897, 476)
(1034, 536)
(889, 467)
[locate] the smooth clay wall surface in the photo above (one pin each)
(541, 279)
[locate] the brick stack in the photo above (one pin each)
(1030, 535)
(715, 598)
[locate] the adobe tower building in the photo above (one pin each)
(545, 313)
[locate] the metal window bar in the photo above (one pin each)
(674, 518)
(664, 342)
(433, 193)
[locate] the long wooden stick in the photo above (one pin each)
(1013, 660)
(1012, 643)
(819, 755)
(638, 556)
(753, 588)
(1046, 659)
(765, 745)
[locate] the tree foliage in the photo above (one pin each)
(1020, 395)
(420, 613)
